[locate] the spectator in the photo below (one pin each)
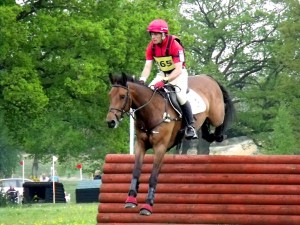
(54, 178)
(11, 189)
(97, 175)
(44, 178)
(12, 194)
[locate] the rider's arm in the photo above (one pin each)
(147, 70)
(176, 72)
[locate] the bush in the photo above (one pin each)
(3, 199)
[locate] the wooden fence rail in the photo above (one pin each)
(205, 190)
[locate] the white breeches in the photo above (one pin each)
(180, 84)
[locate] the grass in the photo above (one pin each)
(70, 187)
(50, 214)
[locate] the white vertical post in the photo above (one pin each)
(81, 173)
(131, 140)
(54, 159)
(53, 183)
(23, 171)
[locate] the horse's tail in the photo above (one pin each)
(229, 108)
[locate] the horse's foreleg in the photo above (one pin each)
(136, 173)
(131, 201)
(157, 163)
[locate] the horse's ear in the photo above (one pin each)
(111, 79)
(124, 78)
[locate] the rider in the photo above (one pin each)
(169, 57)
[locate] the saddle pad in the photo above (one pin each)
(196, 101)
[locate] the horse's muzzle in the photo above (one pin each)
(112, 120)
(112, 124)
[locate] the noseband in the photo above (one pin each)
(122, 110)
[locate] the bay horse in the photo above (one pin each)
(155, 130)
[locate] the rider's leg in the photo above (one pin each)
(181, 85)
(190, 132)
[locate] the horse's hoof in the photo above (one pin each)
(220, 138)
(130, 202)
(130, 205)
(146, 210)
(209, 138)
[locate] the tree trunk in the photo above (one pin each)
(35, 167)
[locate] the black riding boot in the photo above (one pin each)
(190, 132)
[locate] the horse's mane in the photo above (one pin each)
(122, 79)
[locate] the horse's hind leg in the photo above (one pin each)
(217, 136)
(219, 133)
(205, 129)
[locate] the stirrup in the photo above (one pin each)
(190, 132)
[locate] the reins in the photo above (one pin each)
(142, 106)
(166, 118)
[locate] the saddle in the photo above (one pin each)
(168, 92)
(197, 102)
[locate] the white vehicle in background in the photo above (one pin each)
(16, 184)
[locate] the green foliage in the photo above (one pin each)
(282, 139)
(8, 151)
(228, 39)
(3, 199)
(258, 108)
(18, 82)
(252, 48)
(55, 58)
(288, 45)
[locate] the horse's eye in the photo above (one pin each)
(122, 96)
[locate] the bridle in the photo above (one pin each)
(122, 110)
(127, 99)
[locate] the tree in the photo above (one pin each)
(236, 42)
(55, 57)
(282, 139)
(54, 83)
(8, 151)
(287, 49)
(230, 39)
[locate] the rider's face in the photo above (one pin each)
(156, 37)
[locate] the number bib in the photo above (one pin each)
(165, 63)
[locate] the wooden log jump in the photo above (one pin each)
(205, 190)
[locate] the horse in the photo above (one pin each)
(158, 124)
